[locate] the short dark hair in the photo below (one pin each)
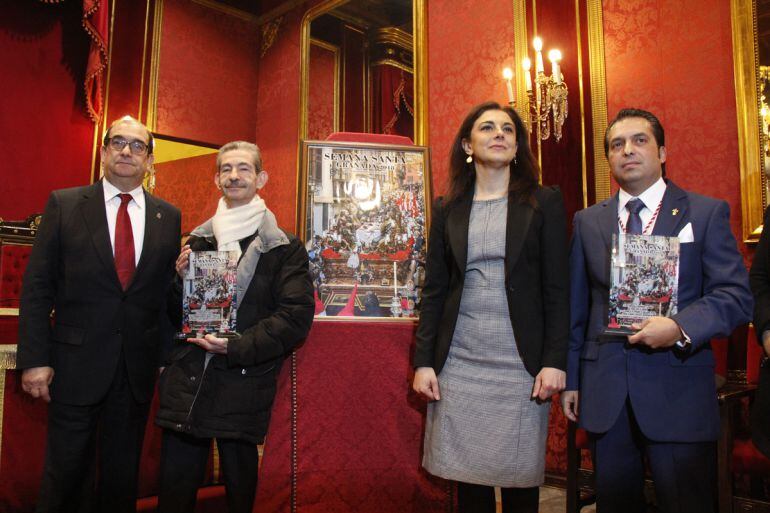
(129, 119)
(657, 128)
(252, 148)
(524, 170)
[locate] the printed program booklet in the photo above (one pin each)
(644, 278)
(208, 294)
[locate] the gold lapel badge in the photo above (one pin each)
(673, 212)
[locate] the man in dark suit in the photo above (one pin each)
(652, 393)
(759, 277)
(103, 260)
(760, 286)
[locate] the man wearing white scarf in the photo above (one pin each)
(224, 389)
(231, 224)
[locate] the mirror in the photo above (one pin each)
(359, 68)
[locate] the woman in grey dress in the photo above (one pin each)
(492, 340)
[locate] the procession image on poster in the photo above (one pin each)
(208, 293)
(364, 226)
(644, 280)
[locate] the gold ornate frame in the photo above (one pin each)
(598, 97)
(746, 67)
(420, 24)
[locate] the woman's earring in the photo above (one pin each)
(514, 160)
(469, 160)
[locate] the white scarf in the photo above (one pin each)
(230, 225)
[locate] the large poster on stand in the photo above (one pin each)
(363, 217)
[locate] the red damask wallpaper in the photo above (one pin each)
(320, 117)
(209, 65)
(189, 184)
(468, 48)
(46, 138)
(675, 59)
(278, 117)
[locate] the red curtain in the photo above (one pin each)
(95, 22)
(393, 101)
(95, 14)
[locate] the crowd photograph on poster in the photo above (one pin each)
(364, 225)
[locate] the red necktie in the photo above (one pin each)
(124, 243)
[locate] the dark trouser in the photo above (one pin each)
(473, 498)
(183, 468)
(684, 474)
(113, 429)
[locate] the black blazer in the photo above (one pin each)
(536, 280)
(760, 287)
(72, 270)
(759, 276)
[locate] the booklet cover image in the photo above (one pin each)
(644, 277)
(209, 290)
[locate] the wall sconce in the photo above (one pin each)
(548, 94)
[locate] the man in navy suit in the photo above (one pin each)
(652, 393)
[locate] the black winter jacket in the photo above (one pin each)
(233, 395)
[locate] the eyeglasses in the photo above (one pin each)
(137, 147)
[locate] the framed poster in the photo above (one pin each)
(364, 220)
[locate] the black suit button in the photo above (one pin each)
(117, 331)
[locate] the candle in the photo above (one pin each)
(395, 280)
(508, 76)
(527, 64)
(555, 56)
(538, 44)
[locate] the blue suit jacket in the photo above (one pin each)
(672, 391)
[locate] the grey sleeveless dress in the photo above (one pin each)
(485, 429)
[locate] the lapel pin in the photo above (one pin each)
(158, 215)
(673, 212)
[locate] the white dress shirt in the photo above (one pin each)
(651, 199)
(136, 212)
